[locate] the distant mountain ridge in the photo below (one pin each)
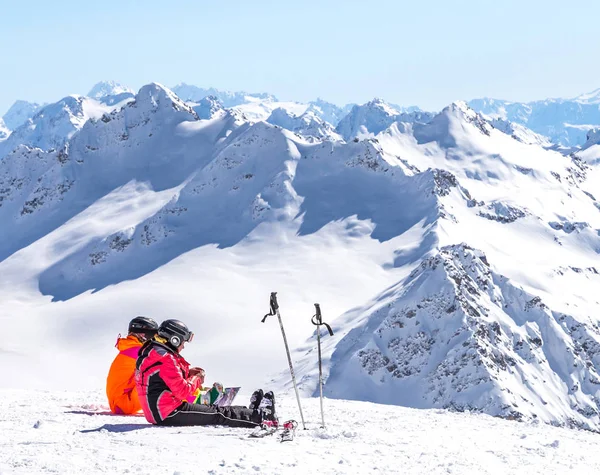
(563, 121)
(459, 254)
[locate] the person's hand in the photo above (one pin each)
(197, 372)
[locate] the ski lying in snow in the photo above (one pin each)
(289, 431)
(271, 427)
(266, 428)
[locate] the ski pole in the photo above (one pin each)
(317, 320)
(274, 310)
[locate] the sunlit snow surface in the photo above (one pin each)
(458, 265)
(69, 432)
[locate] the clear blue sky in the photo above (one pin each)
(427, 53)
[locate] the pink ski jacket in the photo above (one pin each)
(163, 382)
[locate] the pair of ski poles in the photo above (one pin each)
(317, 320)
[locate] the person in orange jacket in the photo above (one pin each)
(120, 384)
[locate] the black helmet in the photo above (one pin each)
(144, 325)
(175, 331)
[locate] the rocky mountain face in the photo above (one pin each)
(492, 241)
(455, 334)
(52, 126)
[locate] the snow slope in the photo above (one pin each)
(521, 133)
(120, 202)
(481, 326)
(151, 209)
(70, 432)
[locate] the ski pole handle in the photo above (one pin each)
(274, 306)
(318, 315)
(317, 320)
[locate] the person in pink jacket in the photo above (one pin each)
(166, 383)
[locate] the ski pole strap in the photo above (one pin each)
(317, 319)
(274, 306)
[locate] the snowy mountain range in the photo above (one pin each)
(456, 256)
(563, 121)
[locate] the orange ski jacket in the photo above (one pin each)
(120, 384)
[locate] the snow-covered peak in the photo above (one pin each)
(449, 124)
(307, 124)
(380, 104)
(190, 93)
(327, 111)
(19, 112)
(108, 88)
(460, 109)
(589, 97)
(371, 118)
(207, 107)
(155, 96)
(53, 125)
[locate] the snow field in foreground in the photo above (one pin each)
(60, 432)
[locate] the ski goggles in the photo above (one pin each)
(190, 337)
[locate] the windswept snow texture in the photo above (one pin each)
(69, 432)
(457, 258)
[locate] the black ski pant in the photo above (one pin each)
(202, 415)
